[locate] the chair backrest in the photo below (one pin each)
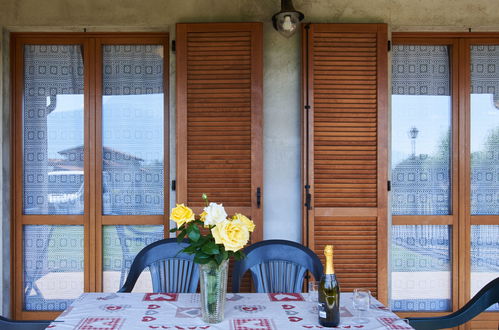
(276, 266)
(171, 270)
(6, 324)
(485, 298)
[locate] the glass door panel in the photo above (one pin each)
(53, 174)
(484, 154)
(132, 155)
(421, 130)
(484, 101)
(53, 266)
(132, 130)
(484, 257)
(421, 267)
(53, 136)
(120, 246)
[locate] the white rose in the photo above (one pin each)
(215, 213)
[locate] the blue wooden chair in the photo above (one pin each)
(171, 270)
(7, 324)
(485, 298)
(276, 266)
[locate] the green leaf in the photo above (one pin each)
(201, 258)
(193, 232)
(225, 255)
(201, 261)
(190, 249)
(202, 240)
(173, 230)
(210, 248)
(219, 258)
(239, 255)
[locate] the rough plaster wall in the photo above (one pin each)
(398, 13)
(281, 66)
(5, 251)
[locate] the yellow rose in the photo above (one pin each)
(244, 219)
(181, 215)
(202, 216)
(232, 234)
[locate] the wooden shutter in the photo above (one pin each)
(345, 150)
(219, 117)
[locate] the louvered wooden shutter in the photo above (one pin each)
(345, 149)
(219, 116)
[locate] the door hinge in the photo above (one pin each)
(174, 46)
(389, 185)
(307, 107)
(258, 197)
(174, 185)
(389, 45)
(308, 197)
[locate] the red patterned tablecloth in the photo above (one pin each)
(243, 311)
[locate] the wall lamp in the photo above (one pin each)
(286, 21)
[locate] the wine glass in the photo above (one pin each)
(313, 291)
(361, 301)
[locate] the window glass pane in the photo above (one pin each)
(132, 126)
(421, 130)
(53, 266)
(53, 129)
(485, 130)
(484, 257)
(421, 268)
(120, 246)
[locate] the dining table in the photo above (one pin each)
(243, 311)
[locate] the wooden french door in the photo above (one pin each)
(90, 162)
(345, 101)
(445, 119)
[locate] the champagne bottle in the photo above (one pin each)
(329, 293)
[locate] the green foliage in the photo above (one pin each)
(203, 247)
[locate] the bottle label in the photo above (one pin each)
(322, 310)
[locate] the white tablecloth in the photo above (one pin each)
(243, 311)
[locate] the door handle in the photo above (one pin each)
(258, 197)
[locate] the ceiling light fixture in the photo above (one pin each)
(287, 21)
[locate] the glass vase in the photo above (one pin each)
(213, 286)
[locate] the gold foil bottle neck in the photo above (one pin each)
(328, 252)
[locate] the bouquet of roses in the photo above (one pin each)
(225, 236)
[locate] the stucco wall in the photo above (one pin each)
(281, 66)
